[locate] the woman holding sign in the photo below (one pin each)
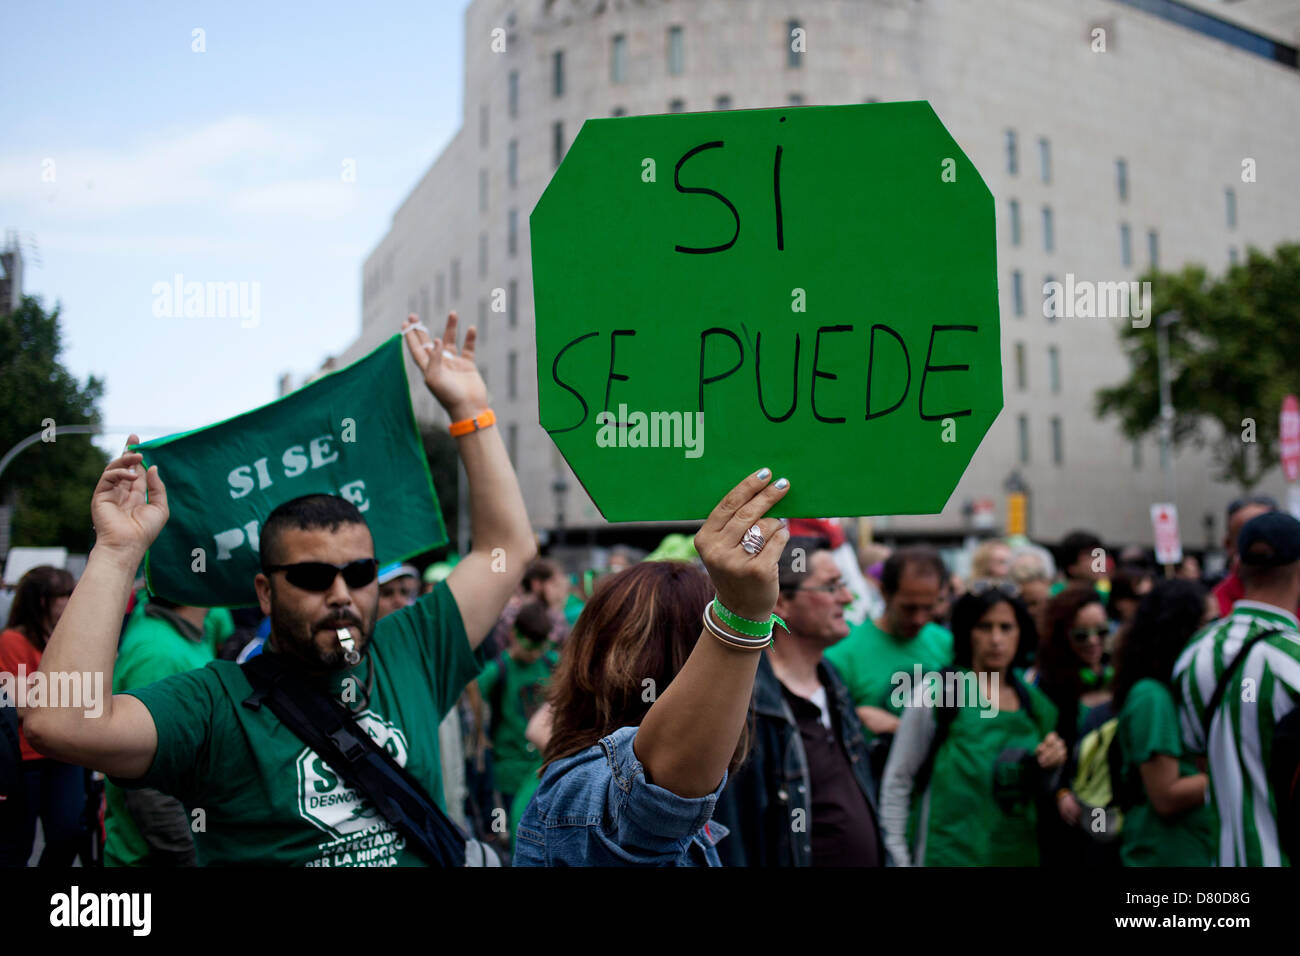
(651, 697)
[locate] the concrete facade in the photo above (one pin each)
(1179, 108)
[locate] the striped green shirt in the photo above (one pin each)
(1239, 744)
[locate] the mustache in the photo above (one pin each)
(340, 620)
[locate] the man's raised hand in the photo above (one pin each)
(449, 372)
(125, 522)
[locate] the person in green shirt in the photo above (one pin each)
(1170, 824)
(966, 769)
(877, 652)
(514, 685)
(264, 796)
(144, 827)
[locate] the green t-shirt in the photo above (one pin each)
(868, 660)
(521, 695)
(966, 823)
(1148, 726)
(217, 626)
(151, 650)
(267, 798)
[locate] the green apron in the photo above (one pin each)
(966, 824)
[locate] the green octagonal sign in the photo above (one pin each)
(813, 290)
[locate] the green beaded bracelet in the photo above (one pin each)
(743, 625)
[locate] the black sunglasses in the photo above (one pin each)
(319, 575)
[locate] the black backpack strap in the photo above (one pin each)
(1221, 687)
(326, 727)
(944, 715)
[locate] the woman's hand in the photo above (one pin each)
(746, 583)
(1051, 752)
(1069, 807)
(125, 523)
(453, 378)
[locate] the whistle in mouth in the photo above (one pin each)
(350, 654)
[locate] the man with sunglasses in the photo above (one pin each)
(255, 792)
(805, 795)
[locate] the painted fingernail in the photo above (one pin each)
(782, 484)
(764, 474)
(131, 470)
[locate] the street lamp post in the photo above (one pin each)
(1163, 372)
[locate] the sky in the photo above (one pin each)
(272, 149)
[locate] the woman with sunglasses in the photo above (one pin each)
(650, 699)
(1170, 823)
(963, 779)
(1074, 671)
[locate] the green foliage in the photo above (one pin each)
(1232, 356)
(51, 481)
(444, 458)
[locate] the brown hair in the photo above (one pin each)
(36, 591)
(641, 624)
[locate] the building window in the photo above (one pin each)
(482, 190)
(794, 32)
(1015, 222)
(722, 102)
(482, 253)
(1232, 255)
(1047, 282)
(1017, 293)
(557, 143)
(455, 280)
(1121, 179)
(1013, 160)
(1049, 235)
(1058, 442)
(512, 94)
(411, 304)
(1021, 372)
(676, 51)
(1054, 368)
(618, 58)
(512, 444)
(1022, 423)
(1153, 249)
(512, 232)
(794, 99)
(482, 321)
(424, 302)
(512, 376)
(440, 292)
(1045, 159)
(1125, 245)
(483, 125)
(512, 298)
(618, 111)
(557, 74)
(512, 163)
(1230, 198)
(676, 106)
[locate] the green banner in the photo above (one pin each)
(351, 433)
(812, 289)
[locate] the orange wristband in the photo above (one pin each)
(478, 422)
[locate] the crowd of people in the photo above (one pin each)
(775, 696)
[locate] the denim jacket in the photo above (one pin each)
(758, 804)
(596, 808)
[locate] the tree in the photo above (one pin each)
(1232, 360)
(51, 481)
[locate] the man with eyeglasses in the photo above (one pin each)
(257, 794)
(805, 795)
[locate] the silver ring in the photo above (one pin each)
(753, 540)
